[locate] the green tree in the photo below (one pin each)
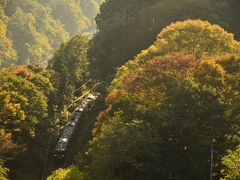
(70, 63)
(31, 45)
(71, 16)
(128, 26)
(22, 106)
(7, 53)
(3, 171)
(163, 117)
(8, 149)
(232, 165)
(45, 22)
(90, 9)
(195, 37)
(27, 112)
(70, 173)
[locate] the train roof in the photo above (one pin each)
(71, 125)
(64, 138)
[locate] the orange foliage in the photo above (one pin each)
(21, 71)
(155, 73)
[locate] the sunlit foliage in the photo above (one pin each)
(3, 171)
(26, 116)
(232, 165)
(7, 53)
(37, 27)
(195, 37)
(31, 45)
(22, 105)
(163, 118)
(128, 26)
(70, 64)
(70, 173)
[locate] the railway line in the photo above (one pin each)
(79, 140)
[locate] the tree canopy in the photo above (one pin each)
(70, 173)
(163, 118)
(195, 37)
(174, 68)
(36, 27)
(70, 64)
(7, 53)
(232, 165)
(129, 26)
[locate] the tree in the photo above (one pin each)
(71, 16)
(70, 173)
(22, 106)
(232, 165)
(27, 113)
(3, 171)
(45, 22)
(163, 117)
(127, 27)
(31, 45)
(70, 63)
(90, 9)
(7, 149)
(194, 37)
(76, 15)
(7, 53)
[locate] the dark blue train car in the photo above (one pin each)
(69, 130)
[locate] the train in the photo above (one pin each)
(71, 127)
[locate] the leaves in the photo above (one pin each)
(7, 53)
(232, 165)
(193, 37)
(178, 106)
(70, 173)
(8, 149)
(22, 105)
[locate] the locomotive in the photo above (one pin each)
(72, 125)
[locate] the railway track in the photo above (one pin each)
(79, 142)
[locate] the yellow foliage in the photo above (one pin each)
(70, 173)
(190, 37)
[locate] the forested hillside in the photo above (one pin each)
(168, 76)
(128, 26)
(32, 29)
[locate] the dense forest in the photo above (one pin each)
(169, 82)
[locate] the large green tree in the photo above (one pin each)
(70, 64)
(27, 112)
(195, 37)
(163, 118)
(126, 27)
(22, 106)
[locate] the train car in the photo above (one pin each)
(70, 129)
(64, 140)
